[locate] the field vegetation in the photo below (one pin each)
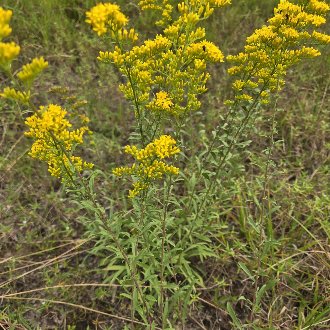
(233, 234)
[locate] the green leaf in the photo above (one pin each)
(233, 316)
(246, 270)
(269, 285)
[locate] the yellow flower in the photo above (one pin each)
(318, 6)
(30, 71)
(150, 164)
(238, 85)
(149, 48)
(162, 102)
(163, 6)
(104, 16)
(275, 47)
(137, 188)
(206, 50)
(5, 29)
(124, 34)
(12, 94)
(174, 62)
(8, 52)
(220, 3)
(244, 97)
(55, 142)
(321, 37)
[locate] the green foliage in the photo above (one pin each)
(240, 235)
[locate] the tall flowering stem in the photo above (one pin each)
(289, 37)
(270, 51)
(165, 75)
(54, 138)
(8, 50)
(54, 133)
(171, 66)
(55, 142)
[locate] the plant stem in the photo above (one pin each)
(163, 224)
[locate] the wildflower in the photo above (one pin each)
(55, 141)
(321, 37)
(12, 94)
(5, 29)
(162, 102)
(318, 6)
(30, 71)
(174, 62)
(200, 64)
(104, 16)
(205, 50)
(264, 97)
(238, 84)
(219, 3)
(124, 34)
(149, 48)
(150, 164)
(244, 97)
(8, 52)
(115, 57)
(163, 6)
(275, 47)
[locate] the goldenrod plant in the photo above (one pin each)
(55, 140)
(153, 242)
(8, 50)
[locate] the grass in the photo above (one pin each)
(273, 270)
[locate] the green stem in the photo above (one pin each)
(162, 279)
(220, 164)
(231, 112)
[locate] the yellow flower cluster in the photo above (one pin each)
(162, 102)
(159, 5)
(174, 62)
(191, 11)
(321, 37)
(12, 94)
(271, 50)
(5, 29)
(8, 50)
(106, 17)
(55, 142)
(30, 71)
(165, 76)
(150, 164)
(318, 6)
(206, 51)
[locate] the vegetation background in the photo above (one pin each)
(42, 241)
